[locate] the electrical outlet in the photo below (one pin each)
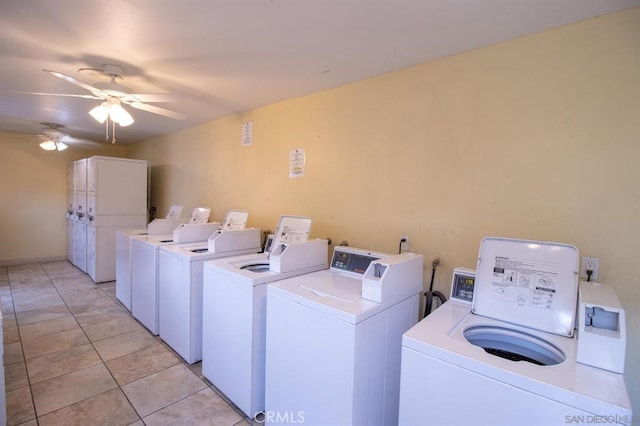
(404, 243)
(592, 264)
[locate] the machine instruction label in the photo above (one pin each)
(525, 282)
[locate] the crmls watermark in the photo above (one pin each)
(598, 419)
(281, 417)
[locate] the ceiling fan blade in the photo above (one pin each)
(157, 110)
(72, 80)
(78, 141)
(68, 140)
(154, 97)
(58, 94)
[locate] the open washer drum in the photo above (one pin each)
(532, 284)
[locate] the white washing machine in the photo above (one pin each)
(144, 268)
(180, 282)
(234, 320)
(510, 357)
(123, 263)
(123, 253)
(332, 355)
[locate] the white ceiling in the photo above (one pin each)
(229, 56)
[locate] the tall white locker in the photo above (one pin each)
(80, 207)
(80, 244)
(116, 199)
(70, 238)
(71, 213)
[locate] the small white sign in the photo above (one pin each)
(296, 163)
(247, 133)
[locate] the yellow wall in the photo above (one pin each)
(536, 138)
(33, 185)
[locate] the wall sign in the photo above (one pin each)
(296, 163)
(247, 133)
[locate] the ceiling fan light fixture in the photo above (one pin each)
(113, 110)
(100, 113)
(48, 145)
(119, 115)
(51, 145)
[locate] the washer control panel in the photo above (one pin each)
(355, 261)
(462, 285)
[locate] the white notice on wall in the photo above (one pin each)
(247, 133)
(296, 163)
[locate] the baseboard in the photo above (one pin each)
(12, 262)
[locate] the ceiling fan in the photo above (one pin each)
(54, 139)
(113, 95)
(106, 90)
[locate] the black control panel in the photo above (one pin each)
(463, 285)
(352, 262)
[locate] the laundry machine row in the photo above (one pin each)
(123, 250)
(144, 267)
(180, 282)
(234, 320)
(234, 294)
(267, 356)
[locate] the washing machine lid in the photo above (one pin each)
(331, 293)
(235, 219)
(529, 283)
(238, 269)
(154, 240)
(292, 229)
(234, 267)
(132, 232)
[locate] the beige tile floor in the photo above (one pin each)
(74, 356)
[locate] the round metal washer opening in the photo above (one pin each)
(514, 345)
(256, 267)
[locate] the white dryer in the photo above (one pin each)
(180, 282)
(510, 357)
(144, 268)
(333, 356)
(234, 318)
